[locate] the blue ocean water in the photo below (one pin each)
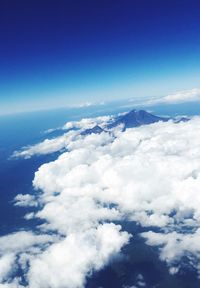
(16, 177)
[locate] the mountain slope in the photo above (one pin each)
(136, 118)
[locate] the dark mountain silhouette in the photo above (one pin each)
(95, 130)
(182, 119)
(136, 118)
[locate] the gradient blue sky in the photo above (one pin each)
(66, 52)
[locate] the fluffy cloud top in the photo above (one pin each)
(67, 263)
(149, 175)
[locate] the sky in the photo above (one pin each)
(57, 53)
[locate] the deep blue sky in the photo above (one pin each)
(62, 52)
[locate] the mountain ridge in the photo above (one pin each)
(131, 119)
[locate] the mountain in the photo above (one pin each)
(182, 119)
(95, 130)
(136, 118)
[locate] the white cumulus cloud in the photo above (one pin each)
(148, 175)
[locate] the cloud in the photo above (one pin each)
(6, 261)
(49, 261)
(22, 241)
(184, 96)
(68, 262)
(88, 104)
(25, 200)
(13, 249)
(74, 128)
(149, 175)
(174, 246)
(87, 123)
(48, 146)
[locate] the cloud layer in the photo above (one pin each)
(184, 96)
(149, 175)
